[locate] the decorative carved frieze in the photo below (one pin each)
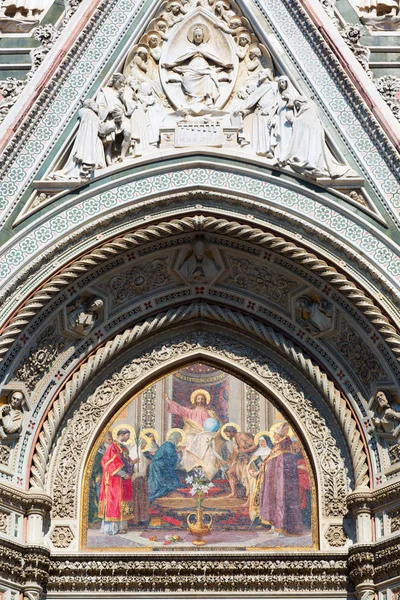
(266, 281)
(394, 520)
(177, 575)
(5, 522)
(162, 230)
(138, 280)
(40, 358)
(354, 349)
(389, 87)
(5, 453)
(24, 564)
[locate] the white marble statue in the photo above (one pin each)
(308, 151)
(264, 102)
(11, 415)
(199, 70)
(287, 94)
(87, 153)
(174, 13)
(116, 107)
(146, 119)
(243, 41)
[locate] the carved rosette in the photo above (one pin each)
(335, 536)
(62, 536)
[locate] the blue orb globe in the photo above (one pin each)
(211, 424)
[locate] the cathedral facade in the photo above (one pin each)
(200, 272)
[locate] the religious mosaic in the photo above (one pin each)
(198, 76)
(199, 459)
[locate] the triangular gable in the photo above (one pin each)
(272, 27)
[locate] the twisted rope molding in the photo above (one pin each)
(94, 363)
(200, 223)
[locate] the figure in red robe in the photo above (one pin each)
(116, 498)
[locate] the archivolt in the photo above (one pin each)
(205, 312)
(200, 223)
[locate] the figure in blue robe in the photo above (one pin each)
(163, 477)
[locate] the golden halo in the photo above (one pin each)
(149, 430)
(183, 434)
(277, 426)
(258, 435)
(132, 437)
(143, 436)
(197, 392)
(225, 426)
(205, 29)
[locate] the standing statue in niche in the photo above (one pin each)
(11, 415)
(199, 70)
(286, 97)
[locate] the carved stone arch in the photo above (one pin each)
(99, 360)
(265, 237)
(129, 375)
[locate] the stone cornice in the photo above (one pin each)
(24, 564)
(208, 573)
(35, 499)
(374, 499)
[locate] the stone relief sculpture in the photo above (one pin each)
(200, 264)
(388, 419)
(87, 153)
(199, 77)
(380, 14)
(11, 415)
(20, 16)
(315, 314)
(83, 315)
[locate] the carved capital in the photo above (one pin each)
(361, 564)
